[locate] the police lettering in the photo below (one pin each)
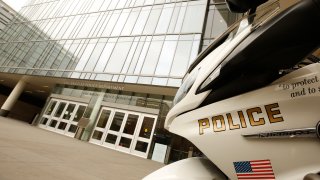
(255, 117)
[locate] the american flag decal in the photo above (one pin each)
(258, 169)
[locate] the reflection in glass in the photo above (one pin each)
(142, 56)
(72, 128)
(111, 139)
(130, 22)
(44, 121)
(179, 21)
(193, 21)
(104, 117)
(79, 113)
(53, 123)
(164, 19)
(152, 20)
(117, 121)
(124, 97)
(111, 23)
(118, 56)
(151, 60)
(194, 51)
(87, 27)
(131, 123)
(129, 59)
(125, 142)
(131, 79)
(120, 22)
(60, 109)
(146, 127)
(104, 57)
(62, 125)
(69, 111)
(153, 103)
(85, 56)
(94, 57)
(111, 96)
(134, 59)
(138, 99)
(160, 81)
(166, 57)
(50, 108)
(174, 82)
(145, 80)
(97, 135)
(130, 46)
(141, 21)
(141, 146)
(180, 62)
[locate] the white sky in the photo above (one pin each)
(16, 4)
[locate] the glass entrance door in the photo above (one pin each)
(125, 131)
(72, 117)
(113, 132)
(62, 116)
(121, 137)
(102, 125)
(143, 139)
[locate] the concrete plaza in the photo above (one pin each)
(30, 153)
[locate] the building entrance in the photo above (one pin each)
(62, 116)
(123, 130)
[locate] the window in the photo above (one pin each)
(119, 55)
(111, 23)
(104, 57)
(129, 57)
(141, 58)
(180, 62)
(96, 5)
(113, 4)
(152, 20)
(94, 57)
(166, 57)
(179, 21)
(73, 23)
(164, 19)
(193, 21)
(135, 58)
(87, 25)
(85, 56)
(120, 23)
(131, 21)
(141, 21)
(152, 57)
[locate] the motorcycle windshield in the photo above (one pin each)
(262, 15)
(248, 21)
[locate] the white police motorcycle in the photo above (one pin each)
(251, 101)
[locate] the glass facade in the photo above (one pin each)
(6, 15)
(131, 41)
(218, 19)
(150, 42)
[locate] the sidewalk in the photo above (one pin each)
(30, 153)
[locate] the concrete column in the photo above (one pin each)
(12, 99)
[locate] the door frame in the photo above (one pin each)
(134, 137)
(142, 139)
(103, 130)
(60, 119)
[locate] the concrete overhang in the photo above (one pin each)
(41, 86)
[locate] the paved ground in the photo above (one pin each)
(30, 153)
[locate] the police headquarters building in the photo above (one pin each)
(104, 71)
